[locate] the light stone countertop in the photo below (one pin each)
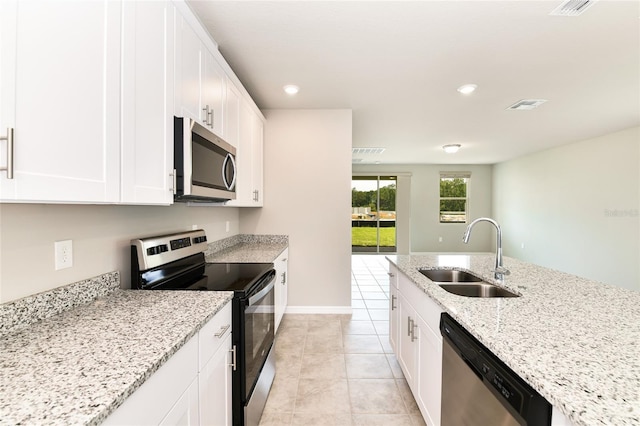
(247, 249)
(576, 341)
(78, 366)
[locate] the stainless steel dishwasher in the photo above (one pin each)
(480, 390)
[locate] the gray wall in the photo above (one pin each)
(425, 192)
(100, 234)
(307, 172)
(575, 208)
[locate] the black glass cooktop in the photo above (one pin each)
(182, 275)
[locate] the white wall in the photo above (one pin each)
(575, 208)
(100, 234)
(425, 206)
(307, 175)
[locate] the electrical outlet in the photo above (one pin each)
(439, 239)
(226, 226)
(194, 227)
(63, 254)
(522, 245)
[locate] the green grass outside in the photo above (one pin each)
(366, 237)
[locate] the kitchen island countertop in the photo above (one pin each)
(576, 341)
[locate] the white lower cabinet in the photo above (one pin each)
(185, 411)
(414, 327)
(215, 370)
(192, 388)
(215, 387)
(429, 377)
(281, 286)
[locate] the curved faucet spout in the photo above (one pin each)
(499, 269)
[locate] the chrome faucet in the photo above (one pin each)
(499, 270)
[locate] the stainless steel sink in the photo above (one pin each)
(464, 283)
(481, 289)
(449, 276)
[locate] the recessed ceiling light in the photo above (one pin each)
(451, 148)
(467, 89)
(291, 89)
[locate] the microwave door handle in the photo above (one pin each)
(228, 158)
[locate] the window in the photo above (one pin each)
(453, 197)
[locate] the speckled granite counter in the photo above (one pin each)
(247, 249)
(78, 366)
(576, 341)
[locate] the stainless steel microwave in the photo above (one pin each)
(205, 165)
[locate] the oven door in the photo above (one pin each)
(258, 332)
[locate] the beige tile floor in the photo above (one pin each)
(340, 369)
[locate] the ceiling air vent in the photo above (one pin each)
(367, 151)
(527, 104)
(572, 7)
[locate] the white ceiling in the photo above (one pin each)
(397, 65)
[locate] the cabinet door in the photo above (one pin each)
(66, 101)
(429, 394)
(212, 92)
(281, 288)
(246, 192)
(232, 114)
(407, 341)
(257, 164)
(188, 67)
(185, 411)
(215, 387)
(147, 115)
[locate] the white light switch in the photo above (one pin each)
(63, 254)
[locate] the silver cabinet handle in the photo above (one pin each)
(223, 330)
(205, 110)
(174, 175)
(210, 114)
(409, 326)
(390, 274)
(9, 139)
(233, 358)
(413, 331)
(393, 304)
(284, 278)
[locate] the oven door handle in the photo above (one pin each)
(253, 299)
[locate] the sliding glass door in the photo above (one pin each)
(373, 214)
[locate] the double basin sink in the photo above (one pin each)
(463, 283)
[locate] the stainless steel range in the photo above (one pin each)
(177, 262)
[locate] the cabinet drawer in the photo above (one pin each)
(213, 334)
(423, 304)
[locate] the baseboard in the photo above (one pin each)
(347, 310)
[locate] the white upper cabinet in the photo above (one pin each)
(62, 98)
(213, 93)
(147, 90)
(232, 114)
(200, 80)
(249, 159)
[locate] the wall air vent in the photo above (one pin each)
(367, 151)
(527, 104)
(572, 7)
